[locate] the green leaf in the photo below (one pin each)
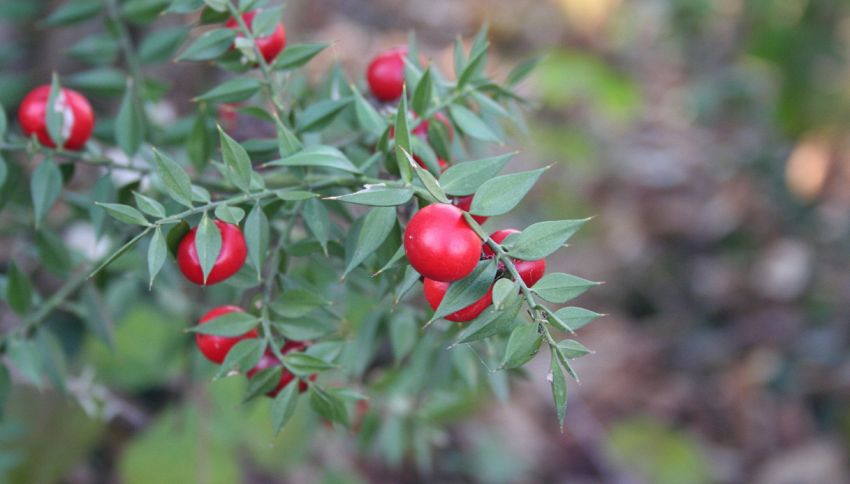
(283, 407)
(464, 178)
(543, 238)
(294, 303)
(377, 196)
(177, 182)
(318, 221)
(209, 46)
(157, 252)
(130, 123)
(297, 55)
(243, 356)
(522, 70)
(45, 188)
(303, 364)
(229, 214)
(404, 331)
(262, 382)
(234, 90)
(477, 59)
(125, 213)
(402, 139)
(428, 181)
(96, 49)
(523, 345)
(18, 290)
(369, 118)
(74, 12)
(207, 244)
(102, 81)
(560, 288)
(377, 225)
(319, 156)
(559, 390)
(53, 252)
(160, 45)
(304, 328)
(459, 56)
(236, 159)
(149, 206)
(500, 195)
(467, 290)
(4, 172)
(257, 237)
(266, 20)
(502, 289)
(5, 389)
(572, 349)
(320, 114)
(492, 322)
(230, 324)
(328, 406)
(199, 143)
(55, 115)
(422, 93)
(143, 11)
(289, 195)
(471, 124)
(572, 318)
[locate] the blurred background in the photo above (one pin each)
(709, 139)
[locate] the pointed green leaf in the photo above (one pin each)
(465, 178)
(176, 181)
(500, 195)
(209, 46)
(542, 239)
(236, 159)
(560, 288)
(377, 196)
(18, 289)
(402, 139)
(130, 123)
(149, 206)
(297, 55)
(377, 225)
(471, 124)
(157, 252)
(283, 407)
(230, 324)
(466, 291)
(243, 356)
(320, 156)
(559, 390)
(572, 318)
(125, 213)
(523, 345)
(234, 90)
(45, 188)
(257, 237)
(207, 244)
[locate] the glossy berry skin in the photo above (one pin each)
(229, 261)
(385, 74)
(269, 360)
(215, 348)
(530, 270)
(77, 113)
(435, 290)
(440, 245)
(464, 203)
(271, 45)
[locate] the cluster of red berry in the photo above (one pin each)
(443, 248)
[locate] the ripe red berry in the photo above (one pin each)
(215, 348)
(229, 261)
(464, 203)
(271, 45)
(530, 270)
(435, 290)
(269, 360)
(440, 245)
(77, 115)
(385, 74)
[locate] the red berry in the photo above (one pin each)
(435, 290)
(385, 74)
(269, 360)
(440, 245)
(271, 45)
(464, 203)
(530, 270)
(215, 348)
(78, 117)
(229, 261)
